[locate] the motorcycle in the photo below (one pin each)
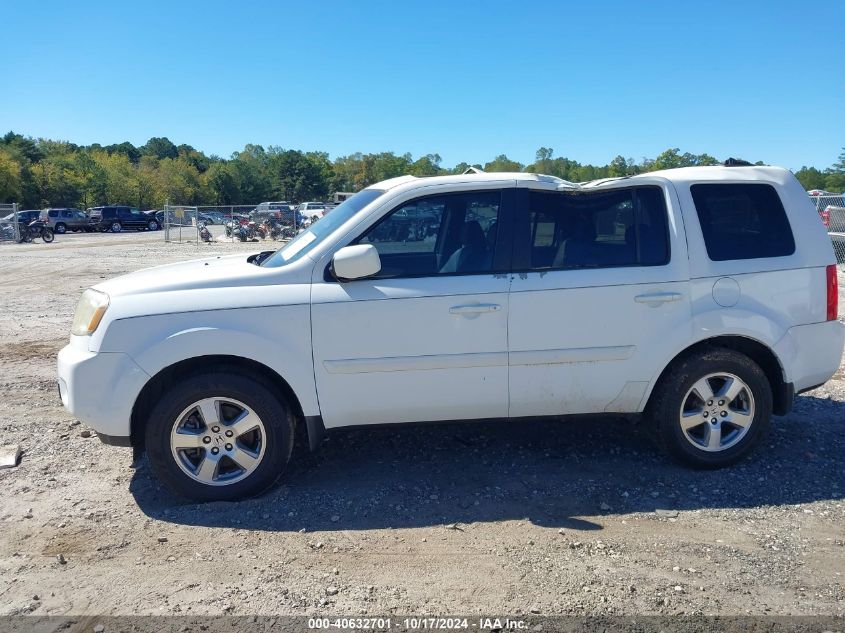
(205, 234)
(34, 230)
(244, 232)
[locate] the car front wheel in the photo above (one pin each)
(115, 227)
(61, 229)
(712, 408)
(152, 225)
(220, 437)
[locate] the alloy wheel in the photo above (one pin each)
(218, 441)
(717, 412)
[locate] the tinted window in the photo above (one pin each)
(53, 213)
(742, 221)
(624, 227)
(449, 234)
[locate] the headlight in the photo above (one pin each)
(89, 312)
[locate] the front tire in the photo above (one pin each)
(711, 408)
(220, 437)
(116, 227)
(61, 229)
(153, 225)
(47, 235)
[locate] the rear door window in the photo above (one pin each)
(742, 221)
(624, 227)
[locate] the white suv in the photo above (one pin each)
(704, 298)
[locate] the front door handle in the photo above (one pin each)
(656, 298)
(476, 309)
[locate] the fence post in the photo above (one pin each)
(17, 232)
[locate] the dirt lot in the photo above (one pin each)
(579, 517)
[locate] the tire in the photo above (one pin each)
(61, 229)
(47, 235)
(740, 423)
(235, 391)
(116, 227)
(152, 225)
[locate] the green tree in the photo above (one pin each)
(503, 163)
(10, 178)
(161, 147)
(835, 176)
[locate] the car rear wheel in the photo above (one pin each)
(220, 437)
(116, 227)
(712, 408)
(152, 225)
(61, 228)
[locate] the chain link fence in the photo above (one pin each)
(831, 208)
(9, 229)
(228, 223)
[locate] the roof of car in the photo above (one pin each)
(680, 174)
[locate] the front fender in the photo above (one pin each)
(278, 337)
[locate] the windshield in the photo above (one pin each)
(318, 231)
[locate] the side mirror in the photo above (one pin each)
(356, 262)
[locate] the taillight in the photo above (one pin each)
(832, 293)
(825, 218)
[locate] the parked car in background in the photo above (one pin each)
(833, 217)
(155, 219)
(26, 216)
(312, 210)
(63, 220)
(115, 218)
(213, 217)
(476, 296)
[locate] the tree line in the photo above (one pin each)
(38, 173)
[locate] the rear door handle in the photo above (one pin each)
(476, 309)
(657, 298)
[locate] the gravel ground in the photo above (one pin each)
(581, 517)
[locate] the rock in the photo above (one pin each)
(9, 455)
(331, 591)
(61, 559)
(632, 588)
(679, 589)
(666, 514)
(676, 568)
(85, 433)
(99, 628)
(162, 539)
(535, 609)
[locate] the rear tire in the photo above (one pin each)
(711, 408)
(238, 470)
(153, 225)
(61, 229)
(116, 227)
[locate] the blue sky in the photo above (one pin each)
(468, 80)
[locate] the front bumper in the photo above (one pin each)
(100, 388)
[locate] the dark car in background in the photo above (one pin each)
(26, 216)
(155, 219)
(62, 220)
(116, 218)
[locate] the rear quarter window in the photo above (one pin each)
(742, 221)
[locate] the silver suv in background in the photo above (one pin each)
(64, 220)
